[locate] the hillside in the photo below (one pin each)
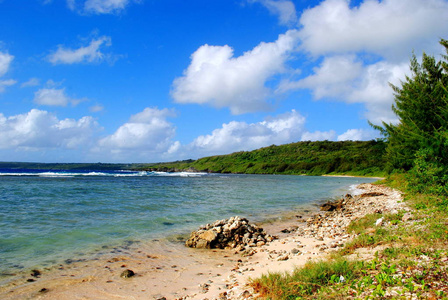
(308, 158)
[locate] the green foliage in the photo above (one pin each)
(419, 142)
(308, 280)
(429, 175)
(311, 158)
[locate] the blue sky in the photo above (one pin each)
(153, 80)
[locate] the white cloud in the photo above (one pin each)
(51, 97)
(5, 62)
(96, 108)
(54, 97)
(319, 136)
(5, 83)
(238, 136)
(334, 77)
(374, 91)
(145, 135)
(218, 78)
(31, 82)
(71, 4)
(40, 129)
(91, 53)
(390, 28)
(98, 6)
(357, 135)
(347, 79)
(285, 10)
(105, 6)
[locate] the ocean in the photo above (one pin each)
(47, 218)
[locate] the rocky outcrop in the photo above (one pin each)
(228, 233)
(336, 205)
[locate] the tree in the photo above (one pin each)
(419, 142)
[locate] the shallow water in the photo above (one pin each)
(51, 217)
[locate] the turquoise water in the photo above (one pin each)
(46, 218)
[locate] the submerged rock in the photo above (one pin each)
(228, 233)
(127, 273)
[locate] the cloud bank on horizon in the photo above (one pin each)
(130, 82)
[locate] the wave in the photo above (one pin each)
(354, 191)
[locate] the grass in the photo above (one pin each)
(413, 262)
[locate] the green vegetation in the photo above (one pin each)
(310, 158)
(418, 144)
(361, 158)
(412, 261)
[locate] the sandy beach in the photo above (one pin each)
(178, 272)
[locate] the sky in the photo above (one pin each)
(131, 81)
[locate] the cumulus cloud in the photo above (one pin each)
(389, 28)
(218, 78)
(99, 6)
(91, 53)
(53, 97)
(5, 83)
(319, 136)
(96, 108)
(357, 135)
(238, 136)
(5, 62)
(365, 47)
(146, 133)
(347, 78)
(105, 6)
(284, 9)
(40, 129)
(31, 82)
(335, 76)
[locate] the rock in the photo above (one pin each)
(295, 251)
(331, 206)
(127, 274)
(235, 233)
(406, 217)
(204, 288)
(371, 194)
(379, 222)
(36, 273)
(283, 257)
(248, 252)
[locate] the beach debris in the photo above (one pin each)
(43, 290)
(127, 274)
(228, 233)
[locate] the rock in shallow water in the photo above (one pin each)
(228, 233)
(127, 273)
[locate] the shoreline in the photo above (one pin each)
(178, 272)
